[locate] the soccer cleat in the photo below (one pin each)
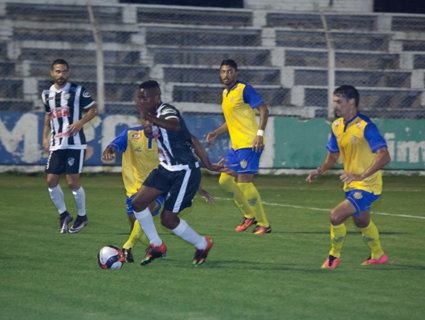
(381, 260)
(331, 262)
(201, 254)
(65, 218)
(79, 224)
(262, 230)
(128, 255)
(246, 224)
(154, 252)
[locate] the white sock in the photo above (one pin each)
(56, 195)
(146, 222)
(80, 199)
(187, 233)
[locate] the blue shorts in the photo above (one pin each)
(159, 200)
(243, 160)
(361, 199)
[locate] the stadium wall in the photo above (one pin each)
(290, 143)
(358, 6)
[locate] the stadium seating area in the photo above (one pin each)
(283, 54)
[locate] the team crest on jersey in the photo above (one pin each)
(358, 195)
(136, 136)
(232, 99)
(243, 164)
(353, 138)
(237, 88)
(71, 161)
(138, 149)
(86, 94)
(337, 123)
(359, 124)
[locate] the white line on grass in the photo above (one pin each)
(320, 209)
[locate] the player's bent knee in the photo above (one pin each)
(335, 219)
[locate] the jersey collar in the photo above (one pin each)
(65, 88)
(348, 122)
(237, 82)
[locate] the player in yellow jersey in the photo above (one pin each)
(140, 157)
(364, 152)
(239, 102)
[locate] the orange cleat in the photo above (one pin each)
(201, 254)
(381, 260)
(154, 252)
(246, 224)
(331, 262)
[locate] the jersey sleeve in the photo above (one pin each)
(85, 99)
(169, 112)
(374, 138)
(251, 97)
(120, 143)
(332, 145)
(43, 98)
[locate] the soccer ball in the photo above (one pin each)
(110, 257)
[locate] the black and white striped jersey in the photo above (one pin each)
(174, 148)
(65, 106)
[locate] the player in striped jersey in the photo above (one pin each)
(64, 104)
(140, 157)
(178, 175)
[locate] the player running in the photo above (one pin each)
(364, 152)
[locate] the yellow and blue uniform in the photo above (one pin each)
(357, 141)
(140, 157)
(238, 105)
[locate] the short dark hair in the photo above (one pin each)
(150, 84)
(60, 61)
(348, 92)
(229, 62)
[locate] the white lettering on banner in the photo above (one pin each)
(111, 122)
(414, 148)
(26, 129)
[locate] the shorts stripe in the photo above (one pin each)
(182, 191)
(356, 206)
(81, 161)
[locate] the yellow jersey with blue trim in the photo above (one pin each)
(238, 105)
(139, 158)
(357, 141)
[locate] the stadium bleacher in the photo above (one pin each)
(283, 54)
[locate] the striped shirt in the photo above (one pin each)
(65, 107)
(174, 147)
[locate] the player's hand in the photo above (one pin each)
(211, 137)
(46, 145)
(258, 144)
(209, 198)
(108, 154)
(349, 177)
(314, 174)
(74, 128)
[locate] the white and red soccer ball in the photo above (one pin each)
(110, 257)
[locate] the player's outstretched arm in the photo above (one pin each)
(209, 198)
(330, 160)
(202, 154)
(108, 154)
(212, 135)
(382, 158)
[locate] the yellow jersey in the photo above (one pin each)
(357, 141)
(140, 157)
(238, 105)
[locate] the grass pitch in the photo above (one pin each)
(47, 275)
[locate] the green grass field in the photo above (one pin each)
(47, 275)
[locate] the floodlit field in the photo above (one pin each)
(47, 275)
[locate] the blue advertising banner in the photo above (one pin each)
(21, 137)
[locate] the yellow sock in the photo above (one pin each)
(136, 234)
(253, 197)
(371, 238)
(227, 182)
(337, 237)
